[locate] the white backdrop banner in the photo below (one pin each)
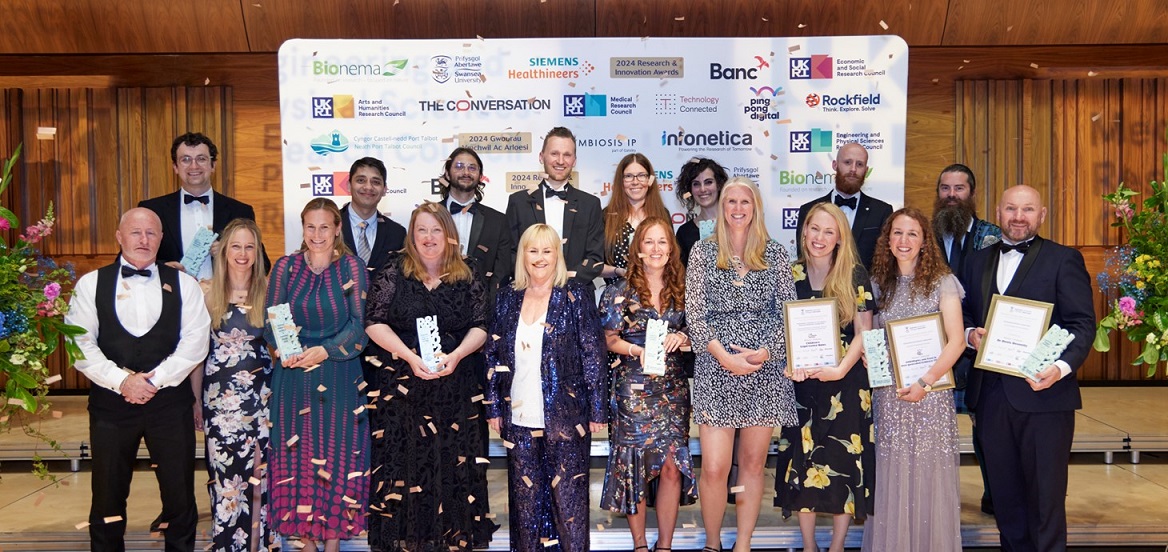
(774, 110)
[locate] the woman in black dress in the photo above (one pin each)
(699, 185)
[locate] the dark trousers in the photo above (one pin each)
(542, 506)
(170, 438)
(1026, 459)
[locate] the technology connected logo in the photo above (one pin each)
(329, 142)
(585, 105)
(811, 141)
(814, 67)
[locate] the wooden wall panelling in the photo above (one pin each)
(529, 19)
(1026, 22)
(258, 168)
(929, 141)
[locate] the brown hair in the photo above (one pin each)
(218, 296)
(839, 283)
(931, 266)
(618, 209)
(453, 269)
(673, 291)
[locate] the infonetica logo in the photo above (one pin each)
(814, 67)
(330, 142)
(526, 104)
(585, 105)
(722, 139)
(330, 184)
(553, 68)
(811, 141)
(330, 69)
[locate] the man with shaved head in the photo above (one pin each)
(865, 213)
(1026, 427)
(146, 329)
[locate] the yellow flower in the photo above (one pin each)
(817, 478)
(836, 407)
(862, 296)
(865, 400)
(850, 507)
(856, 447)
(808, 444)
(1140, 284)
(797, 272)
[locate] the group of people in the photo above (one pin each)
(364, 431)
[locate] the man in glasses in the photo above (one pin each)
(482, 231)
(195, 205)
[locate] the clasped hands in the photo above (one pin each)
(742, 361)
(137, 388)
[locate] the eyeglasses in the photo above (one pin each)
(466, 166)
(201, 160)
(639, 177)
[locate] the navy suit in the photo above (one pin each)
(1026, 435)
(391, 236)
(870, 216)
(169, 208)
(583, 228)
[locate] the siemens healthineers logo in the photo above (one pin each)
(721, 140)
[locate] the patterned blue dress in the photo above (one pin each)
(236, 387)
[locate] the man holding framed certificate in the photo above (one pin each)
(1027, 425)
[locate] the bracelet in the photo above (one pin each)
(925, 386)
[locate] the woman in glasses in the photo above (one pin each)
(635, 197)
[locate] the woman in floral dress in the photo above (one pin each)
(232, 391)
(650, 413)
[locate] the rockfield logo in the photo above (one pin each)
(812, 100)
(844, 104)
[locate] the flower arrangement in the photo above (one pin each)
(32, 310)
(1135, 274)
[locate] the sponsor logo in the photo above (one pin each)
(746, 172)
(330, 184)
(855, 68)
(814, 67)
(329, 142)
(460, 69)
(585, 105)
(844, 104)
(760, 109)
(817, 179)
(750, 72)
(811, 141)
(339, 106)
(552, 68)
(332, 70)
(526, 104)
(790, 218)
(614, 143)
(721, 140)
(673, 104)
(870, 140)
(812, 100)
(767, 90)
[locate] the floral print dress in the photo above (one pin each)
(236, 387)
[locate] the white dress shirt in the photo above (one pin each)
(462, 223)
(355, 221)
(192, 216)
(527, 385)
(848, 211)
(553, 211)
(139, 305)
(947, 239)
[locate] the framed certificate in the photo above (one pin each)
(1013, 329)
(813, 334)
(915, 344)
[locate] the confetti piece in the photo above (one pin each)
(1096, 117)
(580, 429)
(527, 481)
(537, 433)
(324, 475)
(1092, 73)
(689, 526)
(883, 25)
(112, 519)
(53, 379)
(58, 414)
(802, 25)
(83, 524)
(305, 410)
(476, 398)
(319, 461)
(1034, 65)
(599, 526)
(555, 481)
(357, 411)
(682, 18)
(416, 489)
(167, 288)
(353, 475)
(637, 387)
(348, 285)
(293, 440)
(501, 368)
(738, 489)
(508, 444)
(402, 389)
(40, 498)
(304, 509)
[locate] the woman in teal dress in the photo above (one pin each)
(320, 433)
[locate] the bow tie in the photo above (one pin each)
(1019, 247)
(128, 271)
(456, 207)
(849, 202)
(549, 192)
(188, 199)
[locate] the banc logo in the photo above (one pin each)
(750, 72)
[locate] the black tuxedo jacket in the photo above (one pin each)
(391, 236)
(490, 244)
(169, 209)
(870, 216)
(1049, 272)
(583, 228)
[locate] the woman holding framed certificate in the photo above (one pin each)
(918, 501)
(644, 321)
(736, 284)
(426, 319)
(832, 467)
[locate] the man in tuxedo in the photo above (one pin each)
(575, 215)
(146, 329)
(482, 231)
(367, 232)
(1026, 426)
(195, 204)
(959, 232)
(865, 213)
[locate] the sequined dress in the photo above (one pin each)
(918, 498)
(650, 414)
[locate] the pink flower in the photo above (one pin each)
(1123, 210)
(38, 231)
(52, 291)
(1127, 306)
(4, 224)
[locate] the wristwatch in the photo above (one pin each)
(924, 385)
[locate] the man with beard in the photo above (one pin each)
(482, 231)
(960, 233)
(864, 212)
(367, 232)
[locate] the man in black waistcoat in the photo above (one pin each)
(146, 329)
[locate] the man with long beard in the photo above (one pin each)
(960, 233)
(482, 231)
(865, 213)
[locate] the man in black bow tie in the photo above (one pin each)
(146, 330)
(1027, 427)
(866, 213)
(575, 215)
(366, 230)
(482, 231)
(195, 204)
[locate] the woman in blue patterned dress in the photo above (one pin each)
(650, 413)
(232, 391)
(547, 384)
(320, 432)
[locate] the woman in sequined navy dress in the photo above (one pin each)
(547, 385)
(650, 425)
(918, 499)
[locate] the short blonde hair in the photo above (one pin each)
(539, 235)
